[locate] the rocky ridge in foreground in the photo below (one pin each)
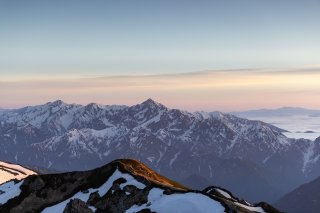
(120, 186)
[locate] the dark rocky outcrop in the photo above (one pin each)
(130, 183)
(77, 206)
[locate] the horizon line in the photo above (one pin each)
(145, 100)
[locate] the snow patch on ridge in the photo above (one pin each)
(224, 193)
(174, 158)
(102, 190)
(308, 157)
(251, 208)
(9, 190)
(179, 203)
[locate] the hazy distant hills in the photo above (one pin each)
(120, 186)
(252, 158)
(284, 111)
(300, 122)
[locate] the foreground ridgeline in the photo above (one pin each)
(10, 171)
(251, 158)
(120, 186)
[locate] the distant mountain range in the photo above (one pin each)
(283, 111)
(118, 187)
(252, 158)
(299, 122)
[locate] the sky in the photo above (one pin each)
(192, 55)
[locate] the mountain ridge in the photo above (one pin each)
(123, 185)
(174, 142)
(277, 111)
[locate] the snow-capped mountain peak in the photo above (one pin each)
(57, 103)
(151, 103)
(74, 137)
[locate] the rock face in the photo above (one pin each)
(77, 206)
(305, 198)
(221, 148)
(120, 186)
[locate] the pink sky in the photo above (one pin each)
(208, 90)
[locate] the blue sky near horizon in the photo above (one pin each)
(265, 53)
(147, 37)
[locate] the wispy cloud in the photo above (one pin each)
(208, 90)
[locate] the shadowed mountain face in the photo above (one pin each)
(120, 186)
(305, 198)
(221, 148)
